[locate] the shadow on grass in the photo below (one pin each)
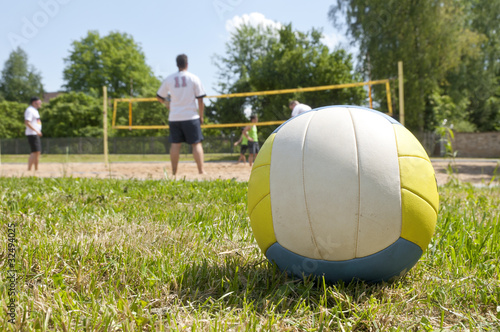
(266, 290)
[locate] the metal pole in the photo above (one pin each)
(370, 96)
(389, 101)
(401, 94)
(105, 123)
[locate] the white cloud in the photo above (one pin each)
(332, 40)
(338, 40)
(253, 19)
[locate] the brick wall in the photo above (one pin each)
(477, 145)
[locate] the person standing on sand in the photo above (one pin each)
(250, 133)
(243, 149)
(186, 112)
(33, 131)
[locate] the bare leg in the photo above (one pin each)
(250, 158)
(37, 158)
(33, 160)
(175, 150)
(198, 156)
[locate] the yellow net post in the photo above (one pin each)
(105, 123)
(370, 95)
(115, 106)
(401, 93)
(388, 92)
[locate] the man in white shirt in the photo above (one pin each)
(33, 131)
(298, 108)
(186, 112)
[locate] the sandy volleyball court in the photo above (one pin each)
(135, 170)
(474, 171)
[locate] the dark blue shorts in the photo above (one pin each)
(35, 143)
(243, 149)
(188, 131)
(253, 147)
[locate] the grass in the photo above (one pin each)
(129, 255)
(113, 158)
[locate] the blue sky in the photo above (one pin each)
(45, 29)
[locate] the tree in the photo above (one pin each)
(76, 114)
(260, 59)
(115, 60)
(12, 119)
(20, 81)
(247, 44)
(72, 114)
(477, 81)
(429, 36)
(302, 60)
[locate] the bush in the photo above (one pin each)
(72, 114)
(12, 119)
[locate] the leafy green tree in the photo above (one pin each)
(115, 61)
(429, 36)
(450, 113)
(302, 60)
(72, 114)
(12, 119)
(20, 81)
(246, 45)
(260, 59)
(477, 81)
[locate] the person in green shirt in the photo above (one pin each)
(250, 132)
(244, 146)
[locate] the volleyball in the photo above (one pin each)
(344, 193)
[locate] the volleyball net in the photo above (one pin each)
(132, 101)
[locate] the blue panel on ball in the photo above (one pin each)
(391, 262)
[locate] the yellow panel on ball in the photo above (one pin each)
(417, 176)
(419, 195)
(408, 145)
(261, 221)
(258, 185)
(264, 156)
(419, 219)
(258, 188)
(259, 199)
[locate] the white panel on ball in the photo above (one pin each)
(380, 193)
(331, 184)
(289, 210)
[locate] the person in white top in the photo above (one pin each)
(298, 108)
(186, 112)
(33, 131)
